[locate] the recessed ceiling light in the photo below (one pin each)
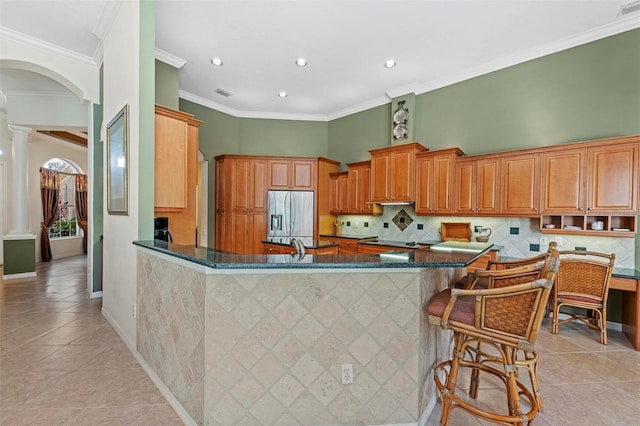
(282, 94)
(390, 63)
(217, 62)
(301, 62)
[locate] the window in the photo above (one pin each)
(66, 224)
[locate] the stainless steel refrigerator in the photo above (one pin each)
(290, 215)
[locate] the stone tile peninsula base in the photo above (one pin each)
(266, 346)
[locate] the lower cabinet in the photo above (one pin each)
(483, 261)
(269, 248)
(345, 245)
(375, 249)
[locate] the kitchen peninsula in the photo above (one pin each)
(263, 339)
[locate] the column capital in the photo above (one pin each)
(20, 129)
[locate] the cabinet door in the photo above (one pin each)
(279, 174)
(241, 184)
(488, 186)
(353, 191)
(171, 152)
(424, 185)
(465, 194)
(365, 191)
(343, 191)
(402, 176)
(612, 184)
(442, 188)
(521, 185)
(334, 193)
(380, 177)
(563, 181)
(258, 231)
(258, 185)
(303, 174)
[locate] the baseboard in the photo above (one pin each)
(164, 390)
(95, 294)
(18, 276)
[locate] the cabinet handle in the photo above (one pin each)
(589, 208)
(535, 209)
(581, 208)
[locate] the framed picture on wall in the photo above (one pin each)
(118, 163)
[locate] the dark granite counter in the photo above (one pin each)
(422, 258)
(633, 274)
(309, 243)
(350, 236)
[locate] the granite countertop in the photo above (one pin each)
(423, 258)
(309, 243)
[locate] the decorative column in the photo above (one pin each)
(19, 195)
(19, 245)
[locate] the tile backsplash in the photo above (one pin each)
(516, 235)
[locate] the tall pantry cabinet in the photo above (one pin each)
(176, 172)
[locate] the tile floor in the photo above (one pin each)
(61, 363)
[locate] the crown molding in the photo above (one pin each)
(249, 114)
(401, 91)
(170, 59)
(108, 15)
(40, 44)
(621, 25)
(372, 103)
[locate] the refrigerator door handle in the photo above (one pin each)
(276, 222)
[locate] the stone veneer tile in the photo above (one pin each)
(287, 390)
(364, 348)
(247, 391)
(325, 388)
(364, 310)
(267, 409)
(268, 370)
(307, 369)
(275, 342)
(328, 310)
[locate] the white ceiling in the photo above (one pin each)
(346, 43)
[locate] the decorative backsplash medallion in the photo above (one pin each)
(402, 220)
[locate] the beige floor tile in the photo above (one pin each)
(61, 336)
(37, 417)
(23, 357)
(22, 390)
(68, 358)
(75, 389)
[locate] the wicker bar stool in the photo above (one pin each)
(583, 282)
(506, 319)
(472, 280)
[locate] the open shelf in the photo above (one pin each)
(613, 226)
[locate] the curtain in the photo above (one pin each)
(82, 192)
(49, 193)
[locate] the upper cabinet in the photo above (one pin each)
(393, 172)
(292, 174)
(592, 180)
(435, 175)
(477, 186)
(520, 185)
(359, 190)
(338, 192)
(176, 172)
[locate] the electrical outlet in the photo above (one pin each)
(559, 240)
(347, 374)
(134, 311)
(544, 241)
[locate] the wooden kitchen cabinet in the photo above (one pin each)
(359, 190)
(241, 203)
(393, 171)
(377, 249)
(520, 183)
(242, 184)
(585, 184)
(345, 245)
(435, 175)
(176, 172)
(601, 179)
(292, 174)
(268, 248)
(477, 186)
(338, 187)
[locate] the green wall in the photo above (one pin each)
(19, 256)
(587, 92)
(351, 137)
(282, 137)
(167, 85)
(146, 160)
(98, 191)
